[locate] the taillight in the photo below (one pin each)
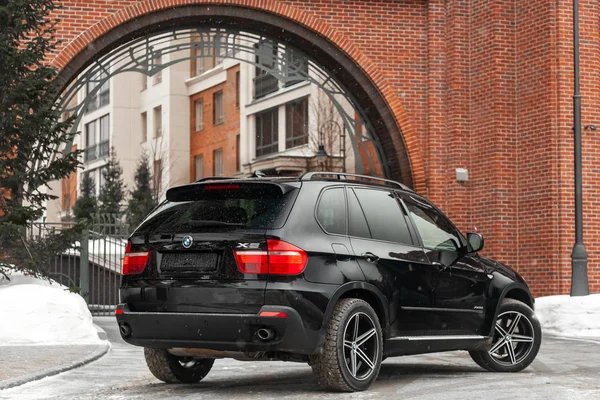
(280, 258)
(252, 262)
(134, 263)
(285, 258)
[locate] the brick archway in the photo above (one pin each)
(334, 51)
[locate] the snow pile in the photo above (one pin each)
(38, 312)
(569, 316)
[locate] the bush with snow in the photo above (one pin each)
(569, 316)
(40, 312)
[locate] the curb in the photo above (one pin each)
(101, 333)
(592, 339)
(101, 350)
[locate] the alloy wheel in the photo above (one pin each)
(361, 346)
(514, 338)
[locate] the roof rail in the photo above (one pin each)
(215, 178)
(342, 177)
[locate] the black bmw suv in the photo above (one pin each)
(336, 270)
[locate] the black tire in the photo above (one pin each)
(515, 345)
(333, 367)
(173, 369)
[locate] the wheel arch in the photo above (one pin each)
(514, 290)
(521, 294)
(360, 290)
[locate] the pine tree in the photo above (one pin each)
(31, 133)
(142, 199)
(112, 193)
(86, 205)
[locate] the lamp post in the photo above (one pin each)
(579, 256)
(321, 155)
(342, 137)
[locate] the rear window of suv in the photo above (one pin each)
(221, 207)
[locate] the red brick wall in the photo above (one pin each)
(480, 84)
(214, 137)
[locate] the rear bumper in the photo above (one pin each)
(224, 332)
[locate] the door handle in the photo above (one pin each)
(370, 257)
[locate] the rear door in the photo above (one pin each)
(389, 257)
(192, 239)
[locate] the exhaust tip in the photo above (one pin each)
(265, 334)
(125, 329)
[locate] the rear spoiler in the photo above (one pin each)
(229, 188)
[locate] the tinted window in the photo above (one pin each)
(435, 230)
(357, 224)
(255, 207)
(331, 211)
(384, 216)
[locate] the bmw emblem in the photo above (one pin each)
(187, 242)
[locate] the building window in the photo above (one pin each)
(296, 68)
(98, 91)
(199, 107)
(102, 177)
(199, 162)
(218, 162)
(157, 62)
(206, 56)
(97, 138)
(157, 121)
(238, 166)
(265, 83)
(90, 152)
(296, 121)
(104, 143)
(237, 89)
(218, 107)
(267, 132)
(144, 127)
(157, 175)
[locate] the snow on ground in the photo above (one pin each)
(569, 316)
(38, 312)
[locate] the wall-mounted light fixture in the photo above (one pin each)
(462, 175)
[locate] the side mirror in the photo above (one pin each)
(475, 240)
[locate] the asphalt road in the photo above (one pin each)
(564, 369)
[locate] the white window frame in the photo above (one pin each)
(199, 110)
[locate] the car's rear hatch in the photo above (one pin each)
(191, 240)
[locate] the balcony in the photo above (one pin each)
(104, 148)
(265, 84)
(95, 151)
(90, 153)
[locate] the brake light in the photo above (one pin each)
(221, 187)
(280, 258)
(134, 263)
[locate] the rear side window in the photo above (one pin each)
(223, 207)
(384, 216)
(357, 223)
(331, 211)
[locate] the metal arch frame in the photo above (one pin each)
(138, 56)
